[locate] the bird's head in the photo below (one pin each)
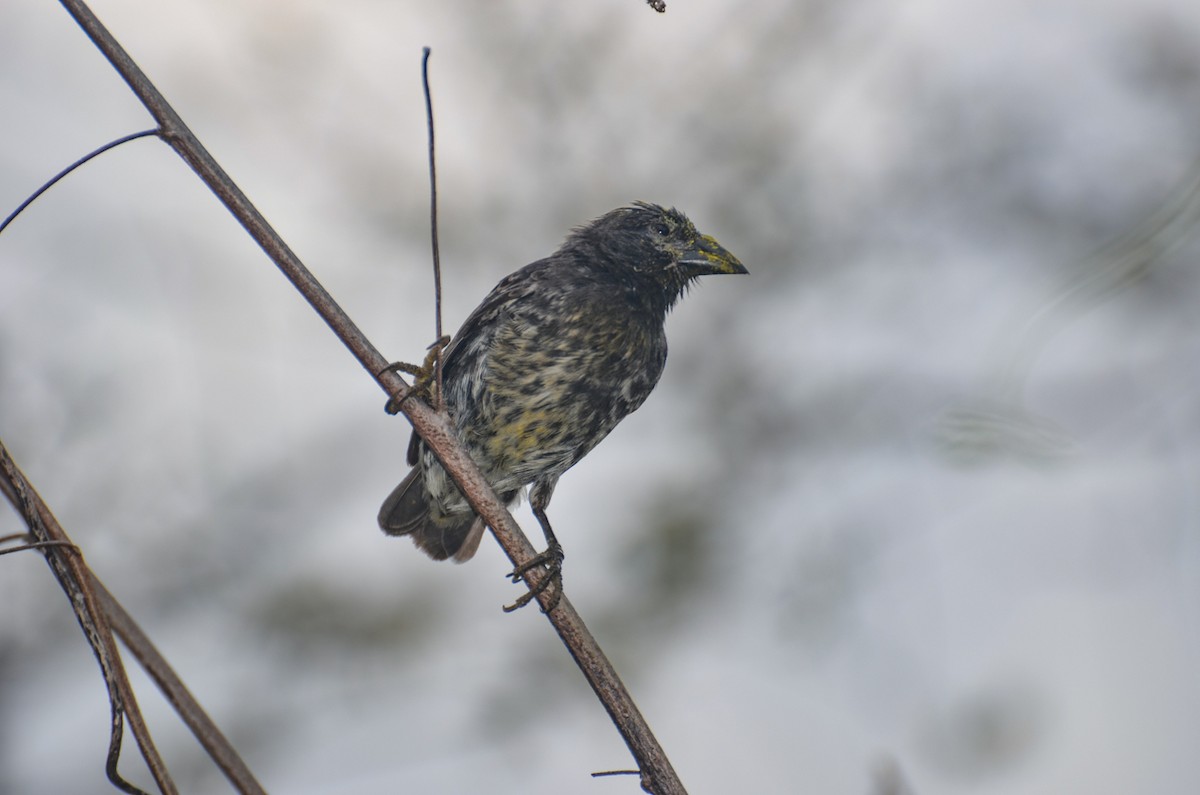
(653, 247)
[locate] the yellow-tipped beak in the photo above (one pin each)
(709, 256)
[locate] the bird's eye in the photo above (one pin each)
(662, 230)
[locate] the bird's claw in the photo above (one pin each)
(552, 559)
(424, 374)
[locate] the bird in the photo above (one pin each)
(556, 355)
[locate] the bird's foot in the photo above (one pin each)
(425, 375)
(552, 559)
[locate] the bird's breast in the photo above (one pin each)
(554, 384)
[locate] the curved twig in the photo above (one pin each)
(51, 182)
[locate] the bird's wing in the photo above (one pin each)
(492, 315)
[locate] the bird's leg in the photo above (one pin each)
(551, 558)
(424, 374)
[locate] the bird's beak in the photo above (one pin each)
(706, 256)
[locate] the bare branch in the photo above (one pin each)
(657, 774)
(193, 715)
(114, 618)
(76, 581)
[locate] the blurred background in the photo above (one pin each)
(914, 508)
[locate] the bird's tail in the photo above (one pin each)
(408, 511)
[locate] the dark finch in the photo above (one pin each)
(555, 356)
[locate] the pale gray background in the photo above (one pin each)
(816, 572)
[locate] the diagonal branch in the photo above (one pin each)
(657, 774)
(193, 715)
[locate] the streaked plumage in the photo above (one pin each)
(556, 355)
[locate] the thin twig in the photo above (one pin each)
(50, 183)
(658, 775)
(433, 230)
(33, 545)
